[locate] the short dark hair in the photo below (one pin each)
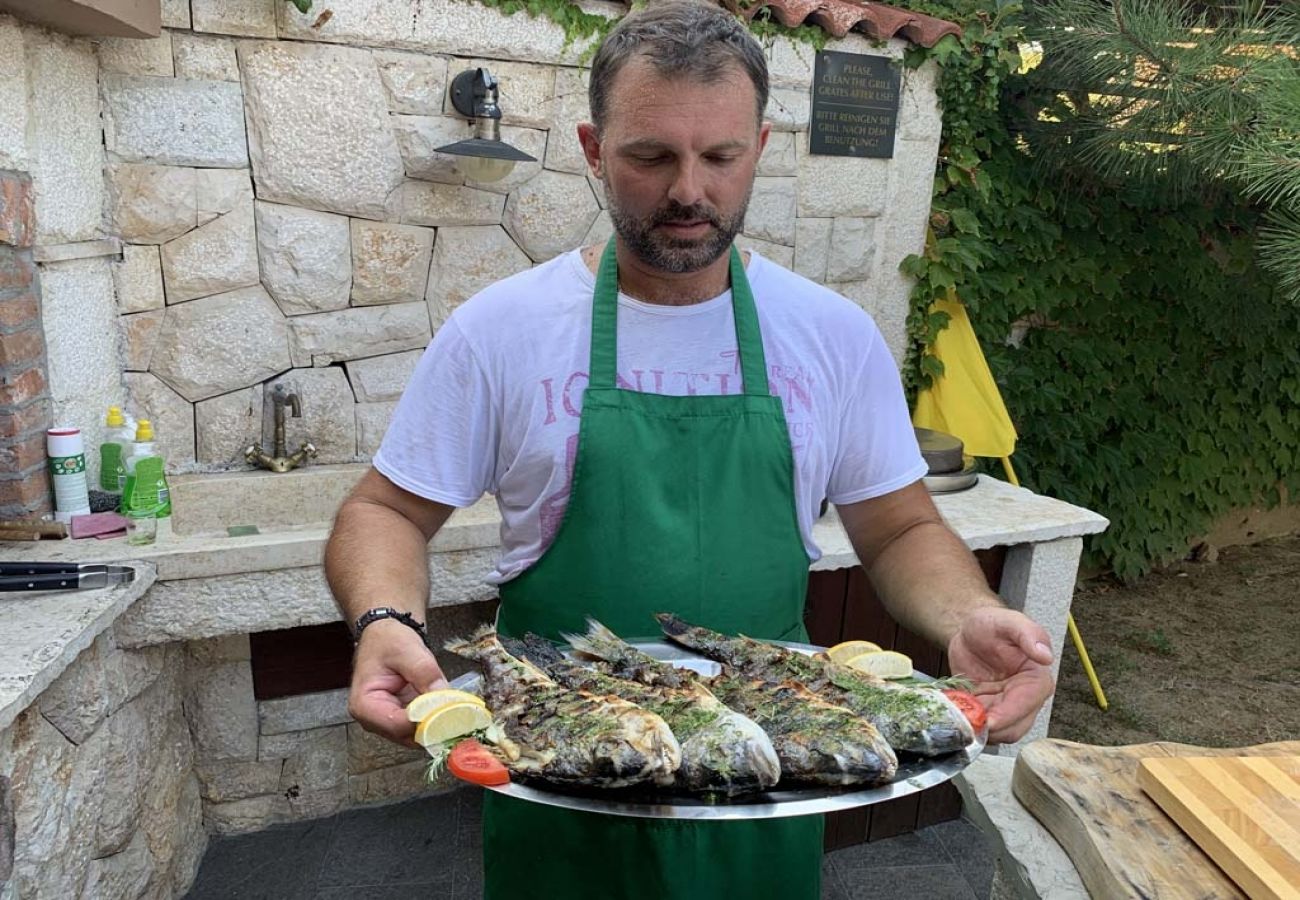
(680, 38)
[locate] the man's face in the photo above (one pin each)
(677, 160)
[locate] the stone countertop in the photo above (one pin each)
(45, 630)
(993, 513)
(1030, 862)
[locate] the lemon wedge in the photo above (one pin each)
(845, 651)
(453, 721)
(883, 664)
(427, 702)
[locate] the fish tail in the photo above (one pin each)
(479, 645)
(599, 642)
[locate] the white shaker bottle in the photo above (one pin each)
(67, 453)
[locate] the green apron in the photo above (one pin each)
(681, 504)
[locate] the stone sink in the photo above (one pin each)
(306, 497)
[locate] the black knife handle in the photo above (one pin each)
(40, 582)
(39, 568)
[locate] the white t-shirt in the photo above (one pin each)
(493, 405)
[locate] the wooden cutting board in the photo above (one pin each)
(1121, 842)
(1244, 811)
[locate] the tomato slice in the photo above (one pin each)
(471, 761)
(970, 706)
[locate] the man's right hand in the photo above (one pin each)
(390, 669)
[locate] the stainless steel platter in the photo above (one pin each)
(913, 774)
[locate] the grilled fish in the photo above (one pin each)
(814, 740)
(564, 736)
(912, 720)
(722, 751)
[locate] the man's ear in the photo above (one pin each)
(590, 141)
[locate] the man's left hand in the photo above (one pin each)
(1008, 656)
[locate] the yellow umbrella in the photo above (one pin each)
(965, 402)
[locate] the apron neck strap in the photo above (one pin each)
(604, 325)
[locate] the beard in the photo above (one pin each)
(672, 254)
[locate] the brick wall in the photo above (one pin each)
(24, 395)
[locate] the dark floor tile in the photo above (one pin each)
(970, 851)
(831, 887)
(405, 843)
(919, 848)
(906, 883)
(420, 890)
(280, 863)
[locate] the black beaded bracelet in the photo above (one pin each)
(387, 612)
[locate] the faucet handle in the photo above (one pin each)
(308, 448)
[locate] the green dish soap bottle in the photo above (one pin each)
(113, 452)
(146, 483)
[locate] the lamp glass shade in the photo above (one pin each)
(484, 169)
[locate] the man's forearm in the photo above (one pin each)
(376, 557)
(929, 581)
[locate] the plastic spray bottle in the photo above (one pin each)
(146, 484)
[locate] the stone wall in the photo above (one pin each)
(262, 762)
(282, 216)
(101, 797)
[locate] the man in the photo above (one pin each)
(660, 420)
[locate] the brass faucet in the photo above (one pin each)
(279, 462)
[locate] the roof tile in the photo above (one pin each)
(838, 17)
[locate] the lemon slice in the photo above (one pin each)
(452, 721)
(426, 703)
(843, 652)
(883, 664)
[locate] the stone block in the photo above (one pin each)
(213, 258)
(788, 108)
(390, 263)
(171, 414)
(789, 62)
(228, 648)
(812, 242)
(367, 751)
(466, 260)
(831, 186)
(313, 760)
(13, 98)
(303, 712)
(201, 58)
(78, 701)
(138, 279)
(316, 804)
(151, 204)
(372, 423)
(550, 214)
(220, 344)
(175, 13)
(527, 91)
(221, 781)
(770, 216)
(318, 128)
(563, 151)
(139, 337)
(425, 203)
(777, 253)
(65, 138)
(381, 377)
(327, 419)
(883, 299)
(244, 816)
(219, 191)
(418, 138)
(174, 121)
(106, 785)
(531, 141)
(39, 761)
(919, 115)
(779, 156)
(852, 252)
(442, 26)
(247, 18)
(133, 56)
(601, 230)
(392, 783)
(323, 338)
(413, 82)
(124, 875)
(221, 711)
(305, 258)
(224, 427)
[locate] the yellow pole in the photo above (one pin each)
(1073, 629)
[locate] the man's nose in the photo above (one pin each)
(688, 186)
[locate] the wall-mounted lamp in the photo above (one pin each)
(484, 157)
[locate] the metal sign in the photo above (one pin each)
(854, 105)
